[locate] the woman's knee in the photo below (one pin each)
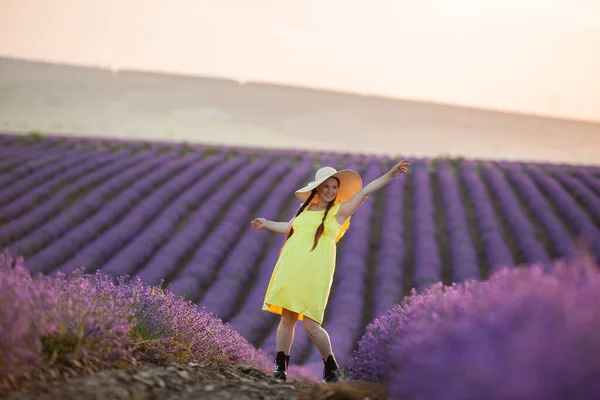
(312, 327)
(289, 317)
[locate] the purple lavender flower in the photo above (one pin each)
(36, 193)
(580, 190)
(93, 318)
(99, 250)
(49, 228)
(371, 362)
(497, 253)
(20, 173)
(12, 191)
(52, 319)
(20, 213)
(542, 212)
(82, 316)
(428, 265)
(52, 239)
(69, 244)
(201, 222)
(206, 258)
(524, 334)
(463, 255)
(518, 222)
(25, 315)
(179, 330)
(590, 181)
(133, 256)
(568, 207)
(389, 274)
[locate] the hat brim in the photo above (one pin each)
(350, 184)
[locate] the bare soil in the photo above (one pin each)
(185, 381)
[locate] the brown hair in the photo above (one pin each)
(321, 227)
(302, 207)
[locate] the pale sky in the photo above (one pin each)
(531, 56)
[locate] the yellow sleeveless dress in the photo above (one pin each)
(301, 279)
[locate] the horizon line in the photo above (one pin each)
(288, 85)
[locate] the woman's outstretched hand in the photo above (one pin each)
(400, 168)
(259, 223)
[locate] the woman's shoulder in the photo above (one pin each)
(336, 207)
(333, 210)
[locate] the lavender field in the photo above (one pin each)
(182, 213)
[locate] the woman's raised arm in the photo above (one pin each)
(279, 227)
(348, 207)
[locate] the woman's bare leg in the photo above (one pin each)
(285, 331)
(318, 336)
(320, 339)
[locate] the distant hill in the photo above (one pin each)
(85, 101)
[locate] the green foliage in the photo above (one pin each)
(165, 149)
(36, 136)
(56, 346)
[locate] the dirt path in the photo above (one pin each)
(189, 381)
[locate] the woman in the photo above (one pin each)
(302, 277)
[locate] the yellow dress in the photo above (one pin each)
(301, 279)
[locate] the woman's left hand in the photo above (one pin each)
(400, 168)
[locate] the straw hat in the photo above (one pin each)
(350, 183)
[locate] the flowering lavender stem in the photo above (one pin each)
(96, 252)
(463, 255)
(497, 252)
(531, 248)
(579, 221)
(428, 265)
(50, 222)
(22, 203)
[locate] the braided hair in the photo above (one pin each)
(302, 207)
(321, 227)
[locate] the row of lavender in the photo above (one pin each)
(524, 333)
(184, 218)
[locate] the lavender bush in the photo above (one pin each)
(372, 362)
(25, 307)
(76, 235)
(13, 189)
(40, 192)
(153, 215)
(133, 256)
(497, 253)
(89, 319)
(99, 249)
(513, 216)
(177, 329)
(45, 224)
(94, 318)
(427, 258)
(523, 334)
(55, 320)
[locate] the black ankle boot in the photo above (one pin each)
(281, 366)
(331, 372)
